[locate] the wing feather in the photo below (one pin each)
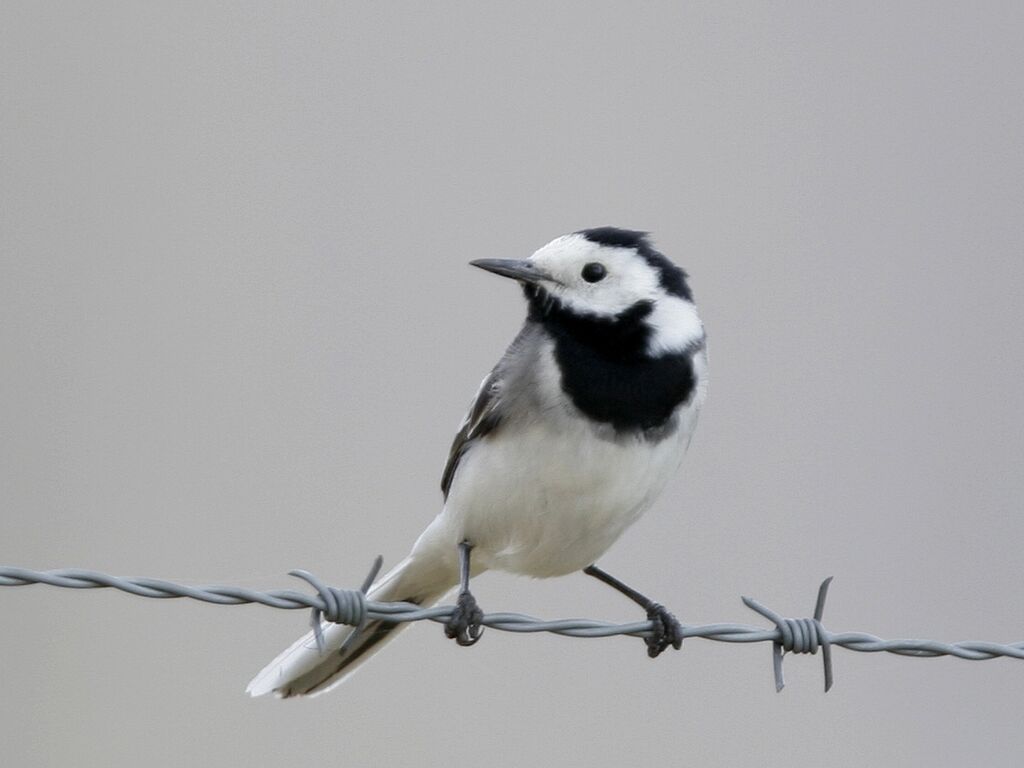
(483, 417)
(506, 383)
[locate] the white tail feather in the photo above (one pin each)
(303, 670)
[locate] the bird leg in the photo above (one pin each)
(667, 629)
(465, 624)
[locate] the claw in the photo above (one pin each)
(667, 631)
(466, 623)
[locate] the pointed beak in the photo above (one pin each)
(518, 269)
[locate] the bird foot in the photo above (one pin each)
(466, 623)
(667, 630)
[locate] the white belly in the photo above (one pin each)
(544, 495)
(545, 502)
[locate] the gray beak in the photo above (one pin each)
(517, 269)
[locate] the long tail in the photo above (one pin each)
(304, 670)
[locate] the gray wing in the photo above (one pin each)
(483, 418)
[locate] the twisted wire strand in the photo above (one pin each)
(329, 604)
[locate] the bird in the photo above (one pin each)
(569, 440)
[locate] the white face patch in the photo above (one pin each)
(629, 278)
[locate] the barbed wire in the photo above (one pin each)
(352, 607)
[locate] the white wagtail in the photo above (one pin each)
(570, 439)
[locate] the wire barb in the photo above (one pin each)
(799, 636)
(340, 606)
(354, 607)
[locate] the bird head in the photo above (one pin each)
(607, 278)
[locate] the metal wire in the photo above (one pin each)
(803, 635)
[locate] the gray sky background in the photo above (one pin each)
(237, 332)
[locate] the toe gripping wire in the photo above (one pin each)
(798, 636)
(340, 606)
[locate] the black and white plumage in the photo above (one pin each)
(571, 437)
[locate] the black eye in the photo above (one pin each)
(593, 272)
